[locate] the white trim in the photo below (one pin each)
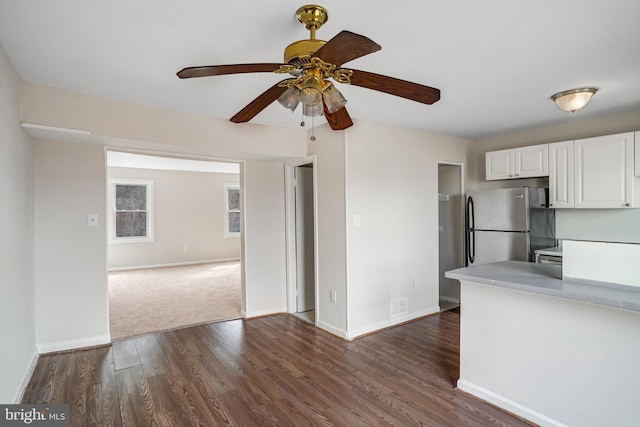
(27, 377)
(290, 232)
(51, 347)
(507, 404)
(396, 320)
(332, 329)
(265, 312)
(26, 125)
(111, 209)
(225, 205)
(450, 299)
(174, 264)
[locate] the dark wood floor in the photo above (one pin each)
(275, 370)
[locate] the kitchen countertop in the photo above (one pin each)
(546, 279)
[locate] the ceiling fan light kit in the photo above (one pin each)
(311, 64)
(574, 99)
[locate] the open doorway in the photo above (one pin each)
(301, 240)
(451, 231)
(174, 242)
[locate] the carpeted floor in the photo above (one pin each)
(159, 299)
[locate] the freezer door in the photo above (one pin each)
(494, 246)
(504, 209)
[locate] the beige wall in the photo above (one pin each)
(134, 126)
(17, 316)
(620, 225)
(264, 238)
(188, 212)
(70, 256)
(392, 183)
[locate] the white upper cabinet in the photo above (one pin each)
(561, 176)
(604, 171)
(523, 162)
(500, 164)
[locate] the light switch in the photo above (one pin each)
(356, 220)
(92, 220)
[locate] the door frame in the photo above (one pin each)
(462, 212)
(290, 230)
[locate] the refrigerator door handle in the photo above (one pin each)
(470, 235)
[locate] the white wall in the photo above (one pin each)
(590, 224)
(264, 234)
(70, 257)
(188, 211)
(392, 183)
(17, 318)
(329, 148)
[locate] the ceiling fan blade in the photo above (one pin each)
(218, 70)
(338, 120)
(345, 47)
(258, 104)
(413, 91)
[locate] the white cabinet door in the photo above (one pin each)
(500, 164)
(523, 162)
(604, 171)
(561, 175)
(532, 161)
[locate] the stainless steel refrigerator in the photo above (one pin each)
(507, 224)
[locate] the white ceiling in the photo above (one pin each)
(497, 62)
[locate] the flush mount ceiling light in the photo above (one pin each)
(574, 99)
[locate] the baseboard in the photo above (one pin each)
(450, 299)
(394, 321)
(26, 379)
(507, 404)
(262, 313)
(174, 264)
(332, 329)
(53, 347)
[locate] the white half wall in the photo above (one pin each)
(188, 216)
(70, 256)
(556, 362)
(17, 314)
(264, 238)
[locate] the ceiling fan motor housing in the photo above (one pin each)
(313, 17)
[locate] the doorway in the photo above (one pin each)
(173, 242)
(301, 226)
(451, 231)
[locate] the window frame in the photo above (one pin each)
(149, 184)
(227, 211)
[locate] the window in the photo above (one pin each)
(131, 203)
(232, 210)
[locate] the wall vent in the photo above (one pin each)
(399, 306)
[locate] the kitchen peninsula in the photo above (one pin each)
(552, 350)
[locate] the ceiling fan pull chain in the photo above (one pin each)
(313, 129)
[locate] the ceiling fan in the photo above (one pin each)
(311, 63)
